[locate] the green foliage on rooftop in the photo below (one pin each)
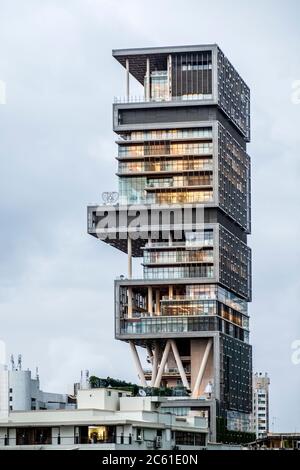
(109, 382)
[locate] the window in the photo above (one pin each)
(139, 434)
(189, 438)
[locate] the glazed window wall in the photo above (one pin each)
(193, 241)
(218, 293)
(199, 239)
(186, 164)
(180, 197)
(188, 148)
(205, 132)
(172, 307)
(169, 257)
(189, 439)
(132, 191)
(186, 308)
(159, 85)
(180, 181)
(180, 272)
(169, 325)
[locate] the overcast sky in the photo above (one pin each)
(57, 154)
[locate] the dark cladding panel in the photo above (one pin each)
(192, 74)
(234, 95)
(234, 179)
(235, 375)
(235, 264)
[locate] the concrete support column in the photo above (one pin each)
(150, 300)
(157, 302)
(129, 253)
(202, 368)
(155, 364)
(179, 364)
(129, 305)
(147, 79)
(170, 75)
(162, 364)
(127, 80)
(138, 364)
(170, 292)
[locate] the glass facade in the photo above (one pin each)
(135, 191)
(169, 325)
(166, 134)
(163, 165)
(180, 181)
(180, 197)
(159, 83)
(168, 148)
(180, 272)
(182, 256)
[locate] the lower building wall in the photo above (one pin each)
(67, 435)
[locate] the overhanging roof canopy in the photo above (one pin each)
(158, 55)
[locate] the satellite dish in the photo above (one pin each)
(142, 393)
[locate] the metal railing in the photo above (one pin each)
(143, 99)
(171, 371)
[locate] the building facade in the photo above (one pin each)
(107, 419)
(261, 383)
(184, 207)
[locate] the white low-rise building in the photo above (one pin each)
(105, 419)
(19, 391)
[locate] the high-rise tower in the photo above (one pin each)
(182, 148)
